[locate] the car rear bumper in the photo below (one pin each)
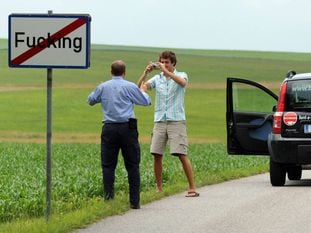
(289, 150)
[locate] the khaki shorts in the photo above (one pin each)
(173, 131)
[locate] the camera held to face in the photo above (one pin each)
(154, 65)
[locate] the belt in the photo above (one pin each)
(132, 123)
(115, 123)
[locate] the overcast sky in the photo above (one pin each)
(268, 25)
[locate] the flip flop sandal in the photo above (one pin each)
(192, 194)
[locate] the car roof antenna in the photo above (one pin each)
(290, 74)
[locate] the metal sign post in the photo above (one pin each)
(49, 41)
(49, 144)
(49, 141)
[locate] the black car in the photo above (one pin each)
(261, 123)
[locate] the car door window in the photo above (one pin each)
(248, 98)
(249, 117)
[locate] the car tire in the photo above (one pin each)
(277, 173)
(294, 173)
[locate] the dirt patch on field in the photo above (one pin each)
(207, 86)
(222, 85)
(91, 86)
(56, 86)
(19, 88)
(76, 86)
(271, 85)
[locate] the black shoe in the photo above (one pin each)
(108, 196)
(135, 207)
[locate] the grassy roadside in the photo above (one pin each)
(96, 209)
(210, 163)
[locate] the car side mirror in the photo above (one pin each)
(274, 108)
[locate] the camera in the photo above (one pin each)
(154, 65)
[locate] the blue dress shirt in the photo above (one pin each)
(117, 97)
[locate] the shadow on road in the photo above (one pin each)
(302, 182)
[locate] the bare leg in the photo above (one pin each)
(158, 171)
(188, 171)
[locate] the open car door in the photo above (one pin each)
(249, 117)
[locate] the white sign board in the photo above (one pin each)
(49, 41)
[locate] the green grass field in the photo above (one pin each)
(205, 100)
(76, 129)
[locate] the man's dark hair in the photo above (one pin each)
(168, 55)
(118, 68)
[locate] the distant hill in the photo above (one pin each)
(293, 56)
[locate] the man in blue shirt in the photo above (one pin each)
(117, 97)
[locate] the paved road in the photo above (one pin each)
(243, 206)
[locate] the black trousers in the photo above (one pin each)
(124, 136)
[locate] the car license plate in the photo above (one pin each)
(307, 128)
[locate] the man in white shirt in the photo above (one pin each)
(169, 116)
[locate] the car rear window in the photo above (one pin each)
(298, 96)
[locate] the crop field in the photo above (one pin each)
(77, 174)
(76, 168)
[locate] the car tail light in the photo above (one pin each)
(278, 115)
(277, 123)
